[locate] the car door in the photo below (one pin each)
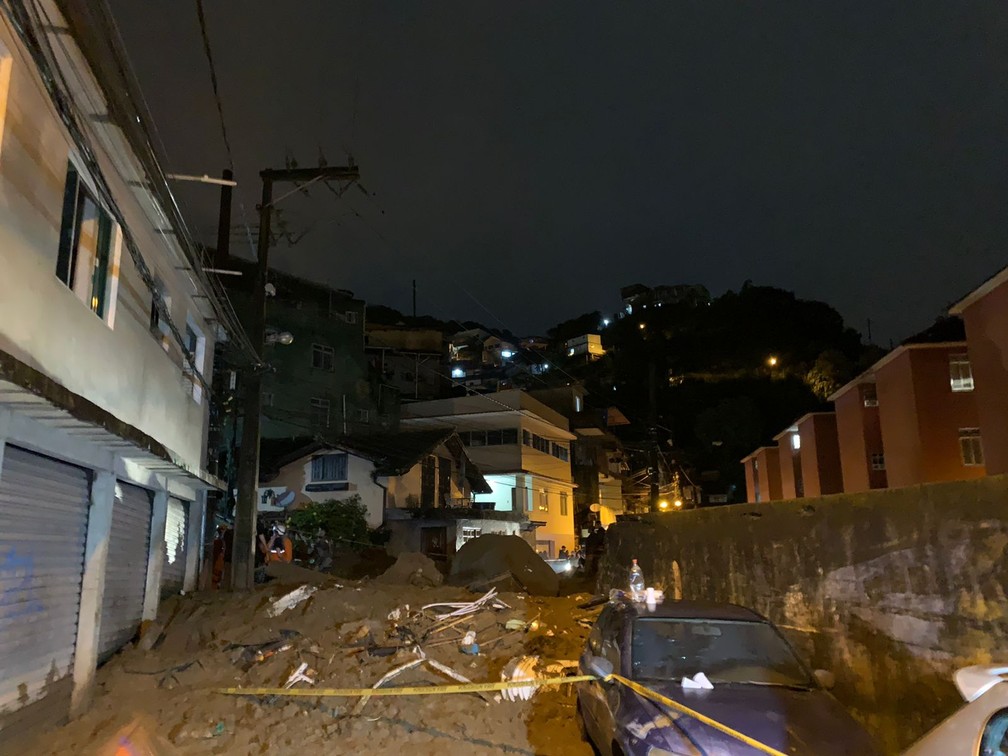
(599, 699)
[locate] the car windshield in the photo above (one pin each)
(726, 651)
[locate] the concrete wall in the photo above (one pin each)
(891, 590)
(116, 362)
(987, 334)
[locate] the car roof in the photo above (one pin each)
(706, 610)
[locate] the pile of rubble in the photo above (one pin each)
(305, 630)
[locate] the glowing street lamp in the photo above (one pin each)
(663, 505)
(677, 504)
(772, 361)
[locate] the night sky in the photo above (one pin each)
(526, 159)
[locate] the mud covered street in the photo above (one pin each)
(163, 699)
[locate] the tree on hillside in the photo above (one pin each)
(830, 371)
(579, 326)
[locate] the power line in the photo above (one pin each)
(213, 80)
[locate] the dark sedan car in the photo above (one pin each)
(757, 686)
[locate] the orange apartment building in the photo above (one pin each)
(859, 434)
(809, 460)
(985, 314)
(928, 414)
(762, 471)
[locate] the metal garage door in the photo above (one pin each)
(126, 571)
(43, 528)
(176, 529)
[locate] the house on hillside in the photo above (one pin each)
(423, 469)
(107, 329)
(412, 360)
(523, 448)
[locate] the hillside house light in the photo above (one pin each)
(507, 354)
(663, 505)
(641, 326)
(458, 372)
(605, 322)
(772, 361)
(285, 338)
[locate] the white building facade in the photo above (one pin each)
(522, 447)
(107, 328)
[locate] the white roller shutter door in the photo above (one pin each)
(43, 529)
(126, 571)
(176, 530)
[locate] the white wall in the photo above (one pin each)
(116, 364)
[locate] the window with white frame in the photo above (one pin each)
(363, 415)
(970, 447)
(328, 468)
(323, 357)
(563, 504)
(319, 412)
(960, 373)
(88, 247)
(878, 462)
(351, 317)
(469, 534)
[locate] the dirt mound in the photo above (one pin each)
(487, 558)
(291, 574)
(413, 568)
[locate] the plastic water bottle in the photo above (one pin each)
(636, 582)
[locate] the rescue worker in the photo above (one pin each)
(280, 548)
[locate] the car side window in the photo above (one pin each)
(994, 741)
(598, 632)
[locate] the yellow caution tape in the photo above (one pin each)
(441, 690)
(666, 701)
(429, 690)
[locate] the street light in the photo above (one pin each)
(677, 504)
(662, 504)
(279, 337)
(772, 361)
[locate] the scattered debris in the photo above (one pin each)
(519, 668)
(460, 609)
(290, 600)
(301, 674)
(515, 624)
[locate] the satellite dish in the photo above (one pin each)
(595, 508)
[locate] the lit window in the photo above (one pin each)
(458, 372)
(543, 501)
(960, 373)
(577, 403)
(319, 412)
(878, 462)
(323, 357)
(195, 347)
(870, 395)
(970, 447)
(507, 354)
(570, 352)
(795, 441)
(85, 261)
(329, 467)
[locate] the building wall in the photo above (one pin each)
(987, 334)
(789, 460)
(763, 481)
(116, 363)
(296, 475)
(820, 455)
(921, 417)
(859, 434)
(754, 491)
(863, 584)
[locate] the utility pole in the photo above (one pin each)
(653, 434)
(414, 297)
(247, 509)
